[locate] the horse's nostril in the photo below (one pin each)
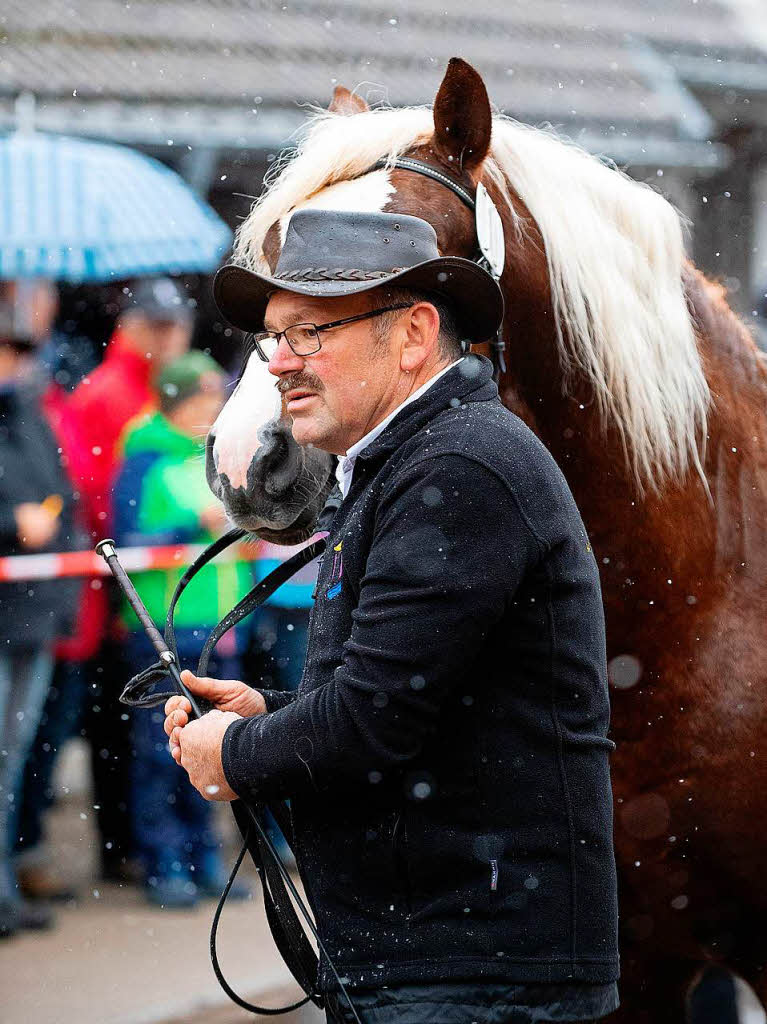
(277, 463)
(273, 453)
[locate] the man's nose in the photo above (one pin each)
(285, 360)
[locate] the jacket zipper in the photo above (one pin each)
(494, 898)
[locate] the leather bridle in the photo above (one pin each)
(408, 163)
(277, 887)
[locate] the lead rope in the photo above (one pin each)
(251, 1007)
(284, 924)
(277, 886)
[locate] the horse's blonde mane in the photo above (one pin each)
(615, 253)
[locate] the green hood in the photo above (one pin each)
(157, 434)
(170, 493)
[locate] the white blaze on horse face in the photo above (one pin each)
(370, 193)
(254, 403)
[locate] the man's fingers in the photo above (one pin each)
(175, 718)
(174, 743)
(203, 686)
(176, 702)
(177, 711)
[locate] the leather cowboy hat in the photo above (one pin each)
(330, 253)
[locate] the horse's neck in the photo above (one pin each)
(736, 449)
(678, 531)
(731, 357)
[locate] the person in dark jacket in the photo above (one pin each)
(36, 515)
(446, 754)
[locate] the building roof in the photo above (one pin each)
(628, 80)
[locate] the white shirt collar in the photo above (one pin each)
(345, 466)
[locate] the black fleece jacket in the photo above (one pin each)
(446, 755)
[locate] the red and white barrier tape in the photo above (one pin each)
(88, 563)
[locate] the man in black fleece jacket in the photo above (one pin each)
(446, 754)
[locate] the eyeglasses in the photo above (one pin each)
(304, 339)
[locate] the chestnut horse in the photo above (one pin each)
(651, 395)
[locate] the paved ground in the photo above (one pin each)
(112, 958)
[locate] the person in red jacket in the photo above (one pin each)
(153, 330)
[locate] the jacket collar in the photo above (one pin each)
(471, 380)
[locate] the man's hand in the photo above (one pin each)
(223, 694)
(197, 748)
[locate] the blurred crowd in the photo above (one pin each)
(91, 448)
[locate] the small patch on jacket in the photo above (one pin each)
(336, 572)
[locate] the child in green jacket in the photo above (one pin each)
(161, 497)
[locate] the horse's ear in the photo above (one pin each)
(346, 102)
(271, 246)
(462, 117)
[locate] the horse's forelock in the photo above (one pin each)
(324, 157)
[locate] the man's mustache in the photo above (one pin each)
(299, 380)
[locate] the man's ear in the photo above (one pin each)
(421, 336)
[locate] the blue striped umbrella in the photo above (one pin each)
(86, 211)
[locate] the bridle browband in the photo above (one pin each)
(409, 163)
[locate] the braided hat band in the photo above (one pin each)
(337, 274)
(333, 253)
